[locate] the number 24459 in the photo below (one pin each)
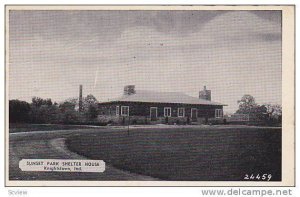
(258, 177)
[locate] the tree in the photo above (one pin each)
(262, 114)
(274, 112)
(90, 104)
(86, 102)
(68, 112)
(70, 109)
(67, 106)
(18, 111)
(247, 105)
(38, 102)
(92, 112)
(43, 111)
(54, 114)
(90, 100)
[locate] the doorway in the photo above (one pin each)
(194, 114)
(153, 113)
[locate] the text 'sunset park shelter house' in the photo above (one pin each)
(149, 107)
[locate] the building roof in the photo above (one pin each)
(163, 97)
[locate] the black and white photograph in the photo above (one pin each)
(149, 95)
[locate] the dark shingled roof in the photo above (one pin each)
(163, 97)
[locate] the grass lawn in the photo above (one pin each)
(187, 154)
(18, 127)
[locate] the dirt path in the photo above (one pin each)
(50, 145)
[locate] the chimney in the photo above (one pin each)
(205, 94)
(129, 90)
(80, 98)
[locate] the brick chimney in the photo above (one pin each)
(80, 98)
(129, 90)
(205, 94)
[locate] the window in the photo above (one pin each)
(218, 113)
(117, 110)
(124, 111)
(180, 112)
(167, 111)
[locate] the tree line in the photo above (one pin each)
(45, 111)
(270, 114)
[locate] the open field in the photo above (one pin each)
(211, 153)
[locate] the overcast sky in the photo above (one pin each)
(232, 53)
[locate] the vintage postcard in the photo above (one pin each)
(150, 95)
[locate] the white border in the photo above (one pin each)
(288, 142)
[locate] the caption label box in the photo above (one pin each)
(62, 165)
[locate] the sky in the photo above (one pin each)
(233, 53)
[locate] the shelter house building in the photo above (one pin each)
(150, 107)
